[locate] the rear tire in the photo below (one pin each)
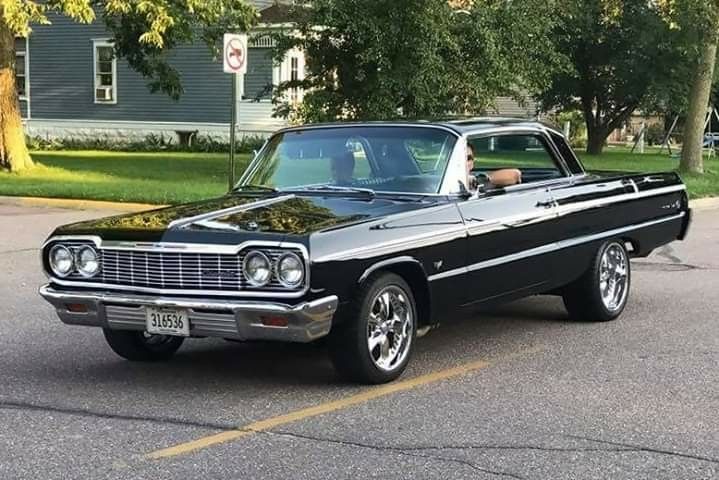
(601, 293)
(141, 347)
(374, 343)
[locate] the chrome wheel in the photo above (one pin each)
(613, 276)
(390, 328)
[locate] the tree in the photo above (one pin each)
(698, 22)
(143, 32)
(384, 59)
(622, 54)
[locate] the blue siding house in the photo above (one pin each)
(71, 85)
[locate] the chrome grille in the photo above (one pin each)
(178, 270)
(193, 271)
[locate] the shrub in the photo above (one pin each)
(577, 126)
(151, 143)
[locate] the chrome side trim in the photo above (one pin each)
(560, 210)
(625, 197)
(512, 221)
(185, 248)
(183, 222)
(552, 247)
(415, 241)
(491, 225)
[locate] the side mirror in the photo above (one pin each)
(255, 153)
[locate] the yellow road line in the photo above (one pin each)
(273, 422)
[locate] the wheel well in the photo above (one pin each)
(414, 275)
(632, 246)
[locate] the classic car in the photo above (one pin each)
(367, 234)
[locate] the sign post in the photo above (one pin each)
(234, 61)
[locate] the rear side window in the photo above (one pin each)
(526, 152)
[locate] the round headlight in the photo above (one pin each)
(61, 260)
(87, 261)
(257, 268)
(290, 270)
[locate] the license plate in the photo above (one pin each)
(167, 321)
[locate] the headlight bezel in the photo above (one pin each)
(245, 271)
(78, 261)
(278, 270)
(52, 265)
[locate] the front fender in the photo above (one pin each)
(389, 262)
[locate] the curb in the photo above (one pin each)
(72, 204)
(704, 203)
(708, 203)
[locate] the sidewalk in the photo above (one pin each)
(76, 204)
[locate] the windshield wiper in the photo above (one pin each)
(261, 188)
(334, 188)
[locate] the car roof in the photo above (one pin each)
(460, 126)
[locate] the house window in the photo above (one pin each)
(105, 72)
(294, 76)
(21, 74)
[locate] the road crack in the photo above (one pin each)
(397, 450)
(81, 412)
(413, 450)
(640, 448)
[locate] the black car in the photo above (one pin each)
(367, 234)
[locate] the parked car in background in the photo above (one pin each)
(367, 234)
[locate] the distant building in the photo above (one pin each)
(71, 85)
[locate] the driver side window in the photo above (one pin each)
(527, 153)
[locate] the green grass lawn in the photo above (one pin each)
(160, 178)
(166, 178)
(618, 158)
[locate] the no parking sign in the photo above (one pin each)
(234, 53)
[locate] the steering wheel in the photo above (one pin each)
(482, 178)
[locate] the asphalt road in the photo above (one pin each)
(636, 398)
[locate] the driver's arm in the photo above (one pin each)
(505, 177)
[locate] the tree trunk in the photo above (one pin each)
(14, 155)
(596, 137)
(699, 96)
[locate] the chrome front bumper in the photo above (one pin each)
(240, 320)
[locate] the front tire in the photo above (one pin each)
(142, 347)
(601, 293)
(374, 344)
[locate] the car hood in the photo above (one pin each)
(236, 218)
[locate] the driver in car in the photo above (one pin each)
(342, 165)
(499, 178)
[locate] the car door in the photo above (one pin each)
(511, 230)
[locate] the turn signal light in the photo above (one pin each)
(76, 307)
(275, 321)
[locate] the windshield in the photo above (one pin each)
(381, 158)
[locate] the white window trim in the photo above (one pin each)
(24, 60)
(103, 42)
